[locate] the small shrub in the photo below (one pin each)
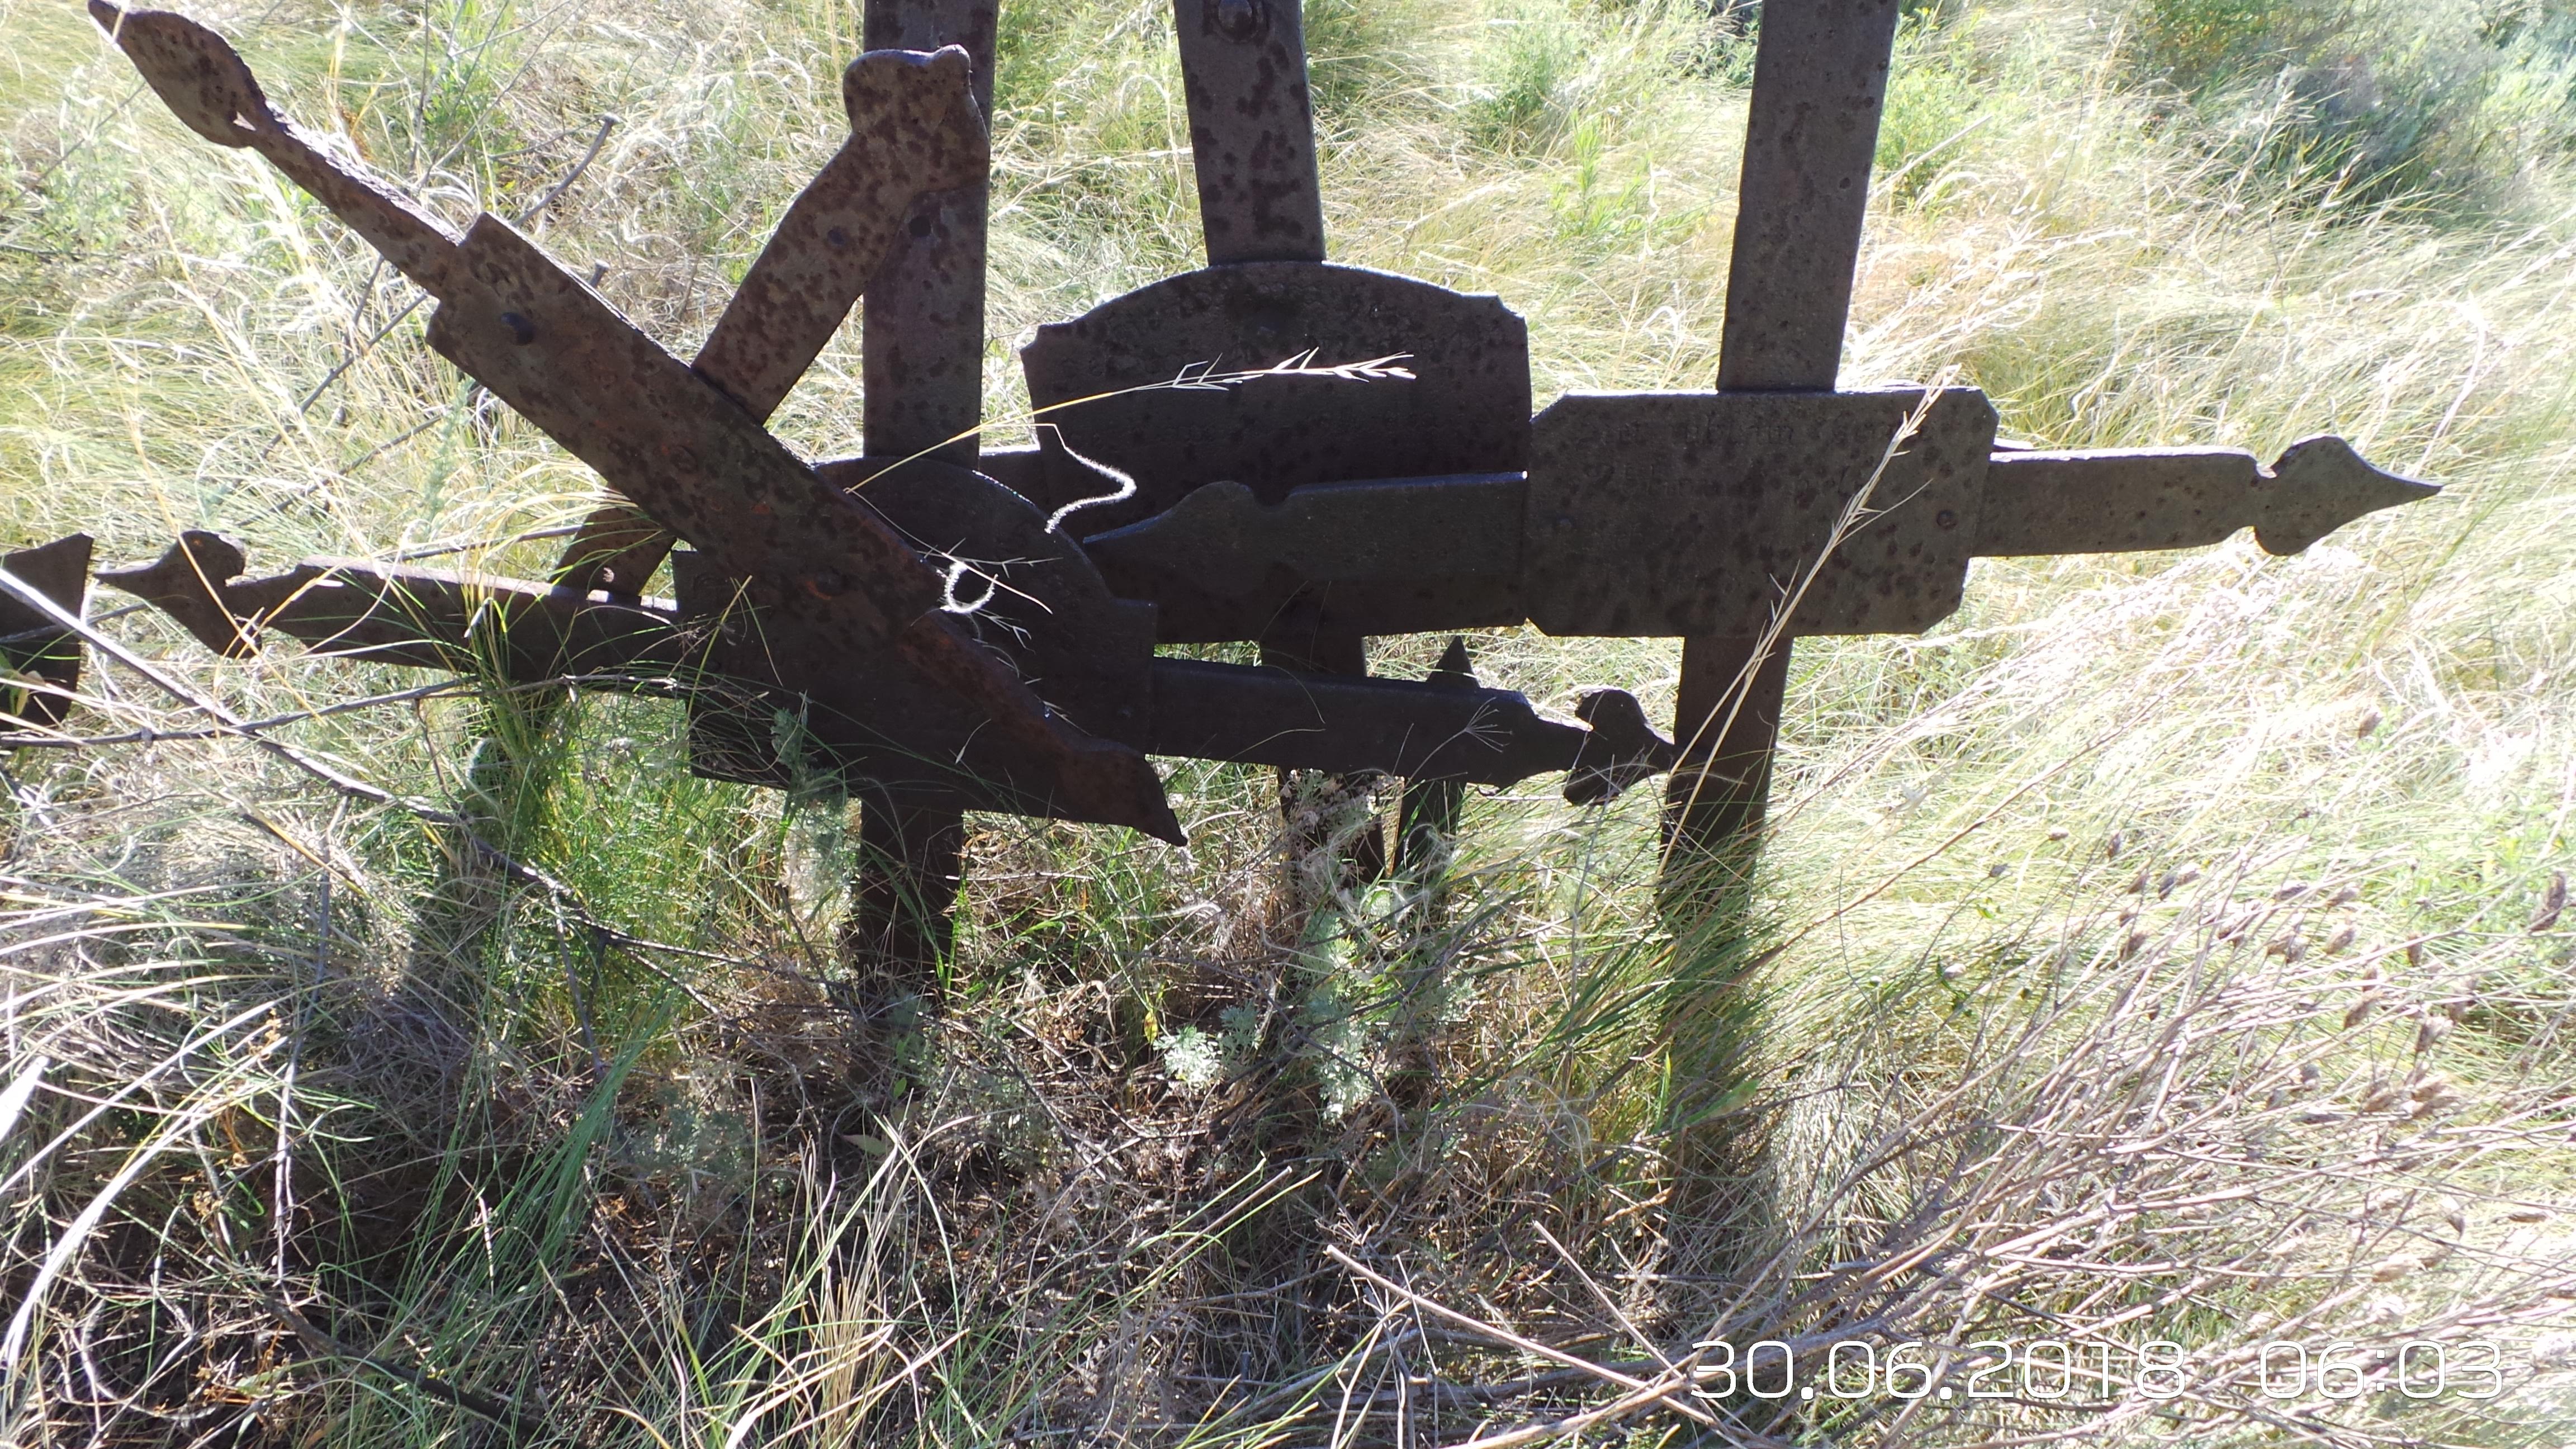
(2367, 97)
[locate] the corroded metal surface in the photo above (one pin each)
(32, 647)
(1344, 724)
(669, 441)
(2152, 498)
(1042, 606)
(561, 355)
(1465, 409)
(1391, 556)
(1699, 513)
(214, 94)
(1252, 129)
(880, 725)
(434, 618)
(922, 345)
(922, 362)
(834, 574)
(914, 128)
(1038, 598)
(1668, 513)
(1819, 83)
(660, 434)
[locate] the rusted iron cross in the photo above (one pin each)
(949, 628)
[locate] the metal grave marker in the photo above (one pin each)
(1270, 499)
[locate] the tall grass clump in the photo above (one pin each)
(2391, 102)
(2165, 949)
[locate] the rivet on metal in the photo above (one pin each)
(1238, 19)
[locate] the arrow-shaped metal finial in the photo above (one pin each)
(2318, 486)
(191, 582)
(211, 90)
(2132, 500)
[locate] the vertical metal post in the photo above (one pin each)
(1252, 150)
(1819, 81)
(921, 344)
(1819, 78)
(921, 339)
(1312, 803)
(1252, 129)
(903, 896)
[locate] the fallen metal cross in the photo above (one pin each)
(1211, 471)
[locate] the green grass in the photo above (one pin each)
(2147, 951)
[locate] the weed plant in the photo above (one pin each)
(2163, 948)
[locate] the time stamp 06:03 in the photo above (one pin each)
(2050, 1369)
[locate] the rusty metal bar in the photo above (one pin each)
(1819, 81)
(669, 440)
(914, 127)
(403, 614)
(1663, 514)
(2155, 498)
(212, 91)
(903, 901)
(1252, 152)
(922, 333)
(1348, 724)
(922, 353)
(1252, 129)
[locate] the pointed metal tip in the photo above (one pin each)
(39, 642)
(2319, 485)
(187, 583)
(68, 546)
(1116, 785)
(1457, 668)
(195, 71)
(1621, 749)
(59, 570)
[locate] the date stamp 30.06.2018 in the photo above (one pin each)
(2073, 1372)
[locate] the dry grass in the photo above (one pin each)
(2154, 951)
